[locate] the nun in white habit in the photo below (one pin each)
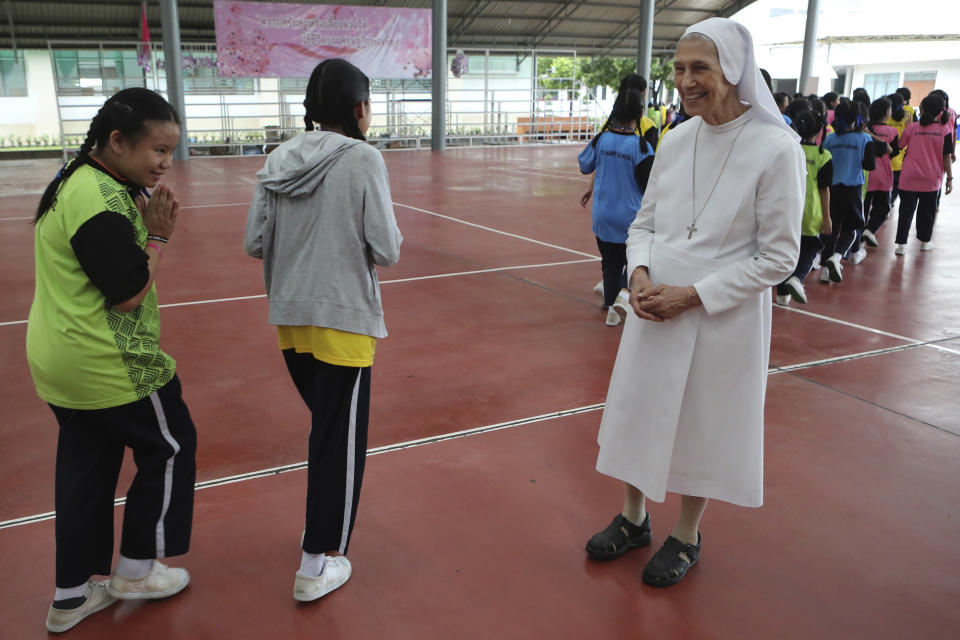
(719, 225)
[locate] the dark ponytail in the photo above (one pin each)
(807, 123)
(942, 94)
(628, 106)
(932, 110)
(846, 117)
(126, 111)
(335, 88)
(897, 112)
(878, 111)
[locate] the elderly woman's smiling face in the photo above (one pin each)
(699, 79)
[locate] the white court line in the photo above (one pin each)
(872, 330)
(537, 173)
(19, 218)
(382, 282)
(505, 233)
(569, 172)
(409, 444)
(210, 206)
(470, 273)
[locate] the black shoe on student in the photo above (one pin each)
(618, 538)
(667, 567)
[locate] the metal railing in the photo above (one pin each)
(492, 107)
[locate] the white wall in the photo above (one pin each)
(36, 113)
(948, 75)
(783, 61)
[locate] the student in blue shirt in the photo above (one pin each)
(853, 151)
(622, 161)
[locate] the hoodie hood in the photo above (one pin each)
(298, 166)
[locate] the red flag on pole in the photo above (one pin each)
(143, 50)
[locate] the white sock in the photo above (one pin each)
(133, 569)
(311, 564)
(73, 592)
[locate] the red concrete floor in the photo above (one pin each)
(463, 538)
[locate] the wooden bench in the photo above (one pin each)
(578, 127)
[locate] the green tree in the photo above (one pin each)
(606, 72)
(555, 74)
(661, 78)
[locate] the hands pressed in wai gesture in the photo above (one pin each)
(160, 212)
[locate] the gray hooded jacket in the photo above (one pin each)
(321, 219)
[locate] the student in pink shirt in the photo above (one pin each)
(929, 146)
(831, 100)
(951, 126)
(876, 206)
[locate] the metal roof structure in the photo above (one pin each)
(590, 27)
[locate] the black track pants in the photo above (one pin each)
(158, 516)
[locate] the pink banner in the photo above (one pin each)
(288, 40)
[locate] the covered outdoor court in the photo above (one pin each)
(481, 490)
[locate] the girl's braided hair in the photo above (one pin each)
(897, 111)
(126, 111)
(335, 88)
(808, 123)
(628, 106)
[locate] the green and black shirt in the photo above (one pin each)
(84, 353)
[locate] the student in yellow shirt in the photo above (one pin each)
(899, 119)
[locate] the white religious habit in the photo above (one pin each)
(684, 410)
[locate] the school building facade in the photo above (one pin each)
(879, 64)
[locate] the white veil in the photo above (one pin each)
(735, 46)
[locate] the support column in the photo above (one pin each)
(809, 44)
(173, 67)
(645, 39)
(438, 128)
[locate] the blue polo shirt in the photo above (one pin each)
(847, 150)
(616, 194)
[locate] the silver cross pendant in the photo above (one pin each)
(691, 229)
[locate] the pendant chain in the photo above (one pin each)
(696, 215)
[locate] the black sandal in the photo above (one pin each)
(618, 538)
(666, 567)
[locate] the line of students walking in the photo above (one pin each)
(861, 157)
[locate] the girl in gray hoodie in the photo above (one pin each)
(321, 219)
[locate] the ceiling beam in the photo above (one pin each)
(555, 21)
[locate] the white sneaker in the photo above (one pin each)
(59, 620)
(336, 571)
(816, 262)
(834, 268)
(901, 249)
(622, 304)
(598, 291)
(824, 275)
(870, 239)
(926, 246)
(784, 300)
(613, 318)
(161, 582)
(858, 256)
(797, 292)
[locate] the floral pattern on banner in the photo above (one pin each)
(288, 40)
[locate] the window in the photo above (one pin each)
(200, 75)
(920, 76)
(787, 85)
(13, 76)
(400, 85)
(881, 84)
(95, 71)
(294, 85)
(78, 71)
